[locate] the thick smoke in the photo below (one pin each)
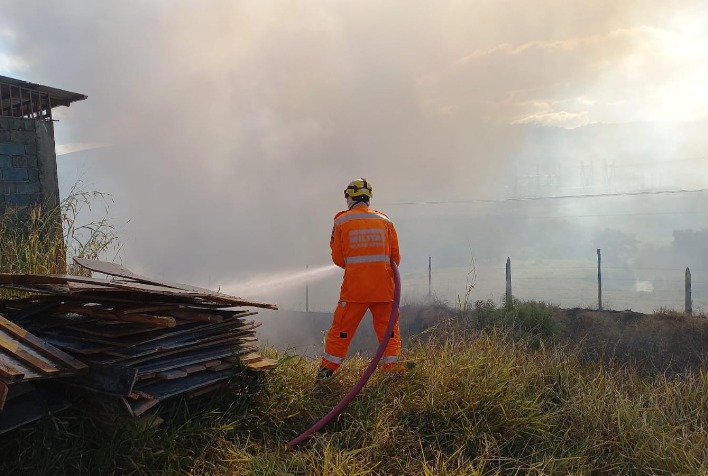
(227, 130)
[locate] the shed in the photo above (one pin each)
(28, 169)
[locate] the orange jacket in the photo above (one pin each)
(363, 243)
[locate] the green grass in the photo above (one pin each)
(477, 402)
(43, 241)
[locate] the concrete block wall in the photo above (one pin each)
(28, 168)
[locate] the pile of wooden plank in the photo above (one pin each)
(125, 336)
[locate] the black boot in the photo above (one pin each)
(324, 374)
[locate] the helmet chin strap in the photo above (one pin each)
(355, 203)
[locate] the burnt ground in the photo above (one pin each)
(669, 341)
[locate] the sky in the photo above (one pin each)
(225, 132)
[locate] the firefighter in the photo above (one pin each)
(363, 242)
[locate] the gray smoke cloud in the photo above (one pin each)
(226, 131)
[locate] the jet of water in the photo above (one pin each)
(277, 281)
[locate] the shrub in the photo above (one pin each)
(526, 319)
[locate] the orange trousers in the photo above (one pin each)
(346, 319)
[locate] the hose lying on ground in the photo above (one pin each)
(367, 373)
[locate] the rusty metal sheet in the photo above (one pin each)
(54, 284)
(113, 269)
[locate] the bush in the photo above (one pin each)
(526, 319)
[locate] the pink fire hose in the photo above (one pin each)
(367, 373)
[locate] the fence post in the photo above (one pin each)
(430, 279)
(508, 281)
(599, 281)
(689, 304)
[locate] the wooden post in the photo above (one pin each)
(508, 281)
(689, 303)
(430, 279)
(307, 292)
(599, 280)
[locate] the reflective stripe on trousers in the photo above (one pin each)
(345, 321)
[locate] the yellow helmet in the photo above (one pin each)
(359, 188)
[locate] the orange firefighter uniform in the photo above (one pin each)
(363, 242)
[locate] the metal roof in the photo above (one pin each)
(24, 99)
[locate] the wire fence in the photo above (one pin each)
(566, 284)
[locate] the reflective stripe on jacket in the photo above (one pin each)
(363, 243)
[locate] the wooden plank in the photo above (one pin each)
(161, 308)
(190, 369)
(244, 359)
(145, 376)
(221, 366)
(171, 374)
(9, 372)
(212, 363)
(196, 316)
(41, 346)
(17, 352)
(157, 321)
(142, 394)
(261, 365)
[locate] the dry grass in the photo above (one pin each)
(477, 402)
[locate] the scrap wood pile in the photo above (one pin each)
(129, 337)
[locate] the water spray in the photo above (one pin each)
(277, 281)
(367, 373)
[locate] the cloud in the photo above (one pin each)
(567, 120)
(624, 75)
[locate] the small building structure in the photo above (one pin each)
(28, 169)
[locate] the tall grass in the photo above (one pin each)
(526, 319)
(477, 402)
(44, 241)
